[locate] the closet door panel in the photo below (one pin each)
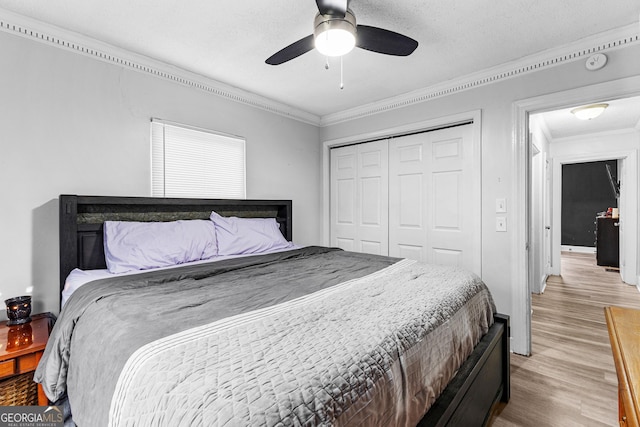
(407, 201)
(447, 257)
(434, 206)
(447, 200)
(454, 198)
(373, 199)
(359, 198)
(343, 189)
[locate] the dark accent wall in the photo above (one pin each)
(586, 190)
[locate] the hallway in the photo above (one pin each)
(570, 379)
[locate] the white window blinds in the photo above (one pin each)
(189, 162)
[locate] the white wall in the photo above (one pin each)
(496, 102)
(72, 124)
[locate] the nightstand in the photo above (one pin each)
(21, 347)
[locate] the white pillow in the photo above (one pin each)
(143, 245)
(236, 236)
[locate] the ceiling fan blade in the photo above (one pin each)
(384, 41)
(332, 7)
(292, 51)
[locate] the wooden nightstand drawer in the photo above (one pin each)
(7, 368)
(28, 362)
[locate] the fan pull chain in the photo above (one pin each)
(326, 67)
(341, 75)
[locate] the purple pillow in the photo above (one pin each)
(238, 236)
(143, 245)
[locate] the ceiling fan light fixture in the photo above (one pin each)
(589, 112)
(335, 36)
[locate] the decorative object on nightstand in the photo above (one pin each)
(18, 310)
(21, 347)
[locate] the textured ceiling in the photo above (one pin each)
(229, 41)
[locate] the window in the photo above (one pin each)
(191, 162)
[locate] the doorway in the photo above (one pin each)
(566, 144)
(521, 238)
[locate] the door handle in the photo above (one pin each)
(548, 227)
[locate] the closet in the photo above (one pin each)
(414, 196)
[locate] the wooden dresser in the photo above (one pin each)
(624, 333)
(608, 242)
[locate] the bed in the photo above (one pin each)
(290, 337)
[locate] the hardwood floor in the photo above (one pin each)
(570, 379)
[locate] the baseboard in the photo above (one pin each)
(579, 249)
(543, 285)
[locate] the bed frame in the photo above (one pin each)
(480, 383)
(82, 219)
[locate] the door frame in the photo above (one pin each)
(422, 126)
(538, 233)
(521, 297)
(556, 236)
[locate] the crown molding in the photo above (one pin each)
(64, 39)
(599, 43)
(51, 35)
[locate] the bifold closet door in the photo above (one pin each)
(359, 198)
(434, 198)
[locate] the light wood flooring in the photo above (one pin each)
(570, 378)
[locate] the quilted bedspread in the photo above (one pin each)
(347, 339)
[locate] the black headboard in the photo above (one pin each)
(82, 218)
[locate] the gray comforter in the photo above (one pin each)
(309, 337)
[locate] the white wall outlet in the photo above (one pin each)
(501, 223)
(501, 205)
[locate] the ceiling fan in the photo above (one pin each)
(336, 33)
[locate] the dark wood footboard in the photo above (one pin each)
(482, 380)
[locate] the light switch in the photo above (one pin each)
(501, 205)
(501, 223)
